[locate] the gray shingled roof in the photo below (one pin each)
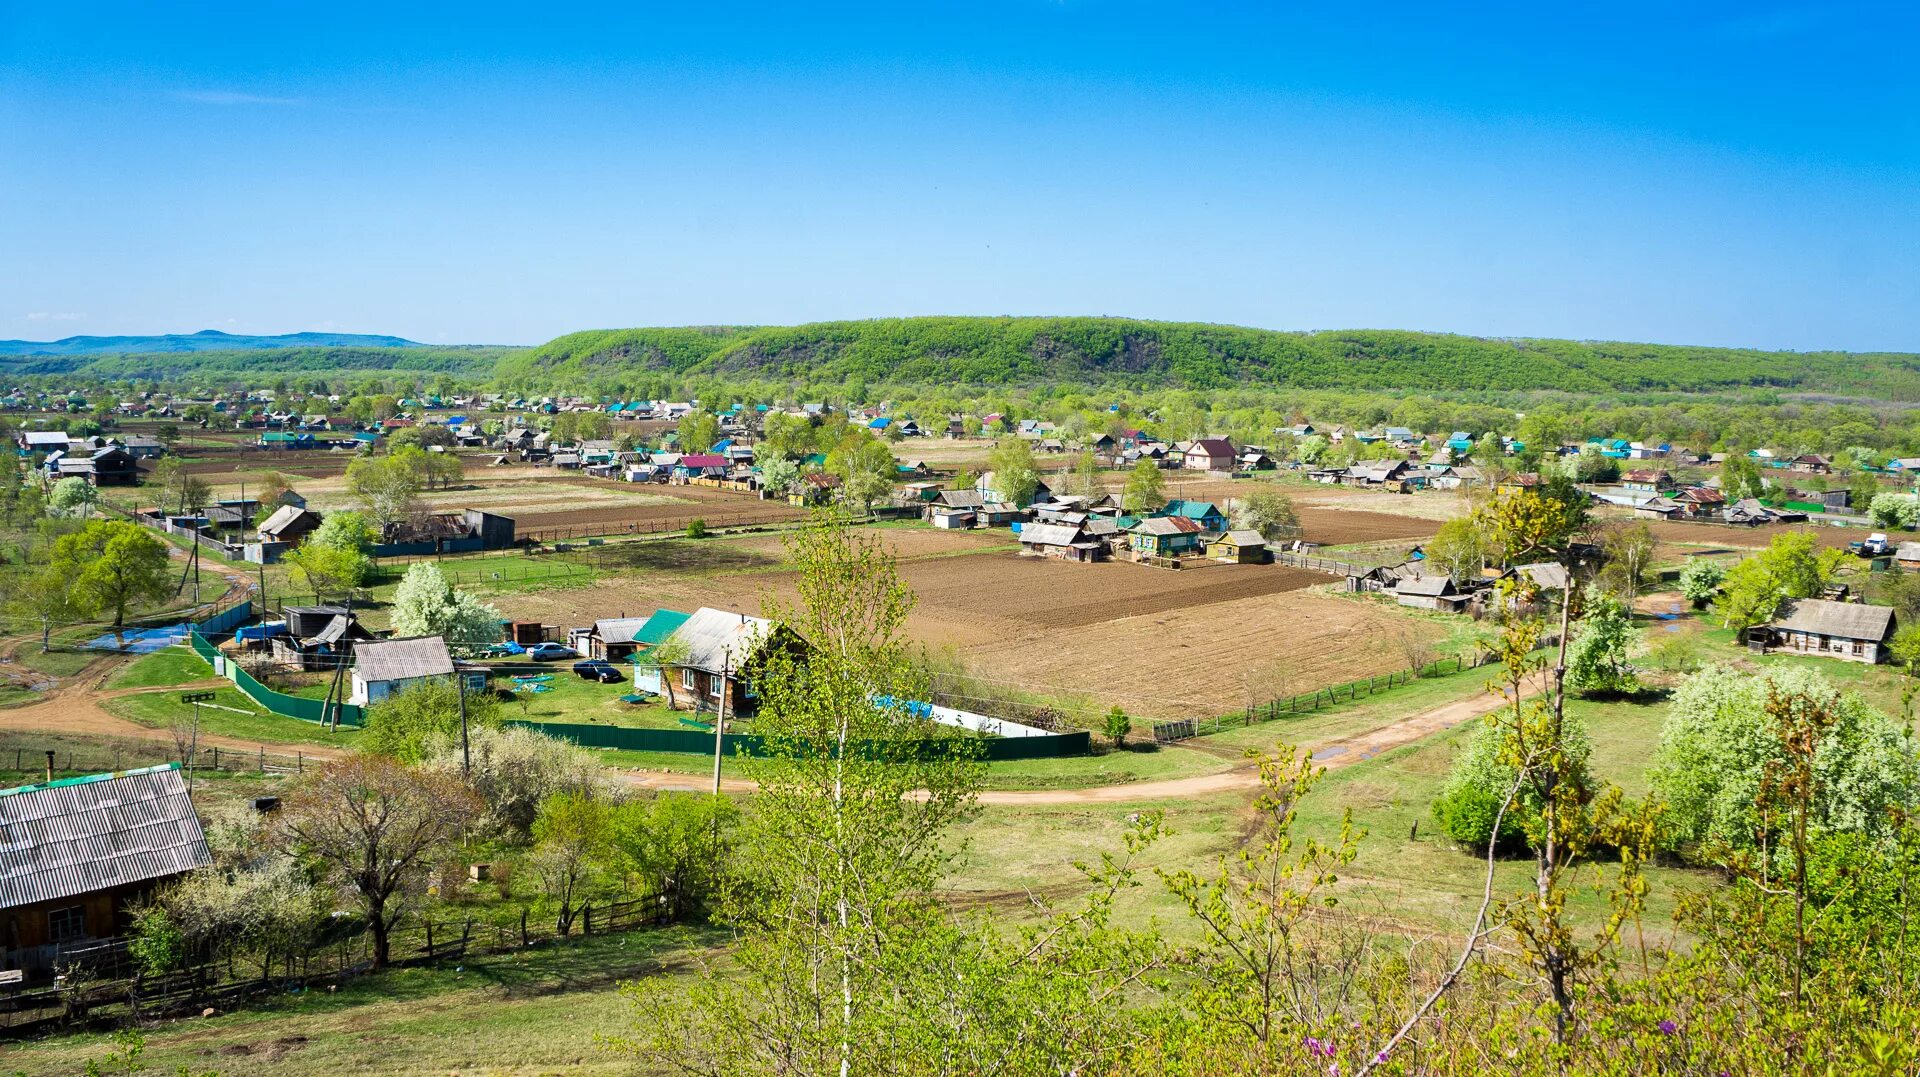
(79, 835)
(1844, 620)
(403, 659)
(1244, 537)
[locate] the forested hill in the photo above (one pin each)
(1029, 351)
(207, 340)
(474, 363)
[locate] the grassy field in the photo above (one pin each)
(175, 665)
(544, 1011)
(234, 715)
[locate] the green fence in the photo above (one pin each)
(307, 710)
(694, 742)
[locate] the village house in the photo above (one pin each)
(1067, 542)
(1208, 454)
(1647, 480)
(1431, 593)
(318, 637)
(1242, 547)
(1815, 626)
(613, 639)
(1660, 508)
(710, 658)
(289, 524)
(1204, 513)
(387, 666)
(1165, 536)
(79, 851)
(1701, 500)
(110, 466)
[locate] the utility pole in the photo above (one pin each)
(466, 748)
(720, 726)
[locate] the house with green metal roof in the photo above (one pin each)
(1204, 513)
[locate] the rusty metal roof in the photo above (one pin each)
(79, 835)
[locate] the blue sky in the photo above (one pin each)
(1692, 173)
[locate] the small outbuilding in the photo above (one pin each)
(382, 668)
(1240, 547)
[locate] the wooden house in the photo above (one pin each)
(1165, 536)
(711, 658)
(1815, 626)
(1204, 513)
(78, 851)
(1647, 480)
(614, 639)
(1701, 500)
(1242, 547)
(289, 524)
(1431, 593)
(1064, 541)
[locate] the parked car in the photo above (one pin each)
(548, 652)
(598, 669)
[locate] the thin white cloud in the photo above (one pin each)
(229, 97)
(54, 316)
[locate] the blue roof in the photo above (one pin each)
(1192, 510)
(879, 424)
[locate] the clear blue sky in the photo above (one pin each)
(1692, 173)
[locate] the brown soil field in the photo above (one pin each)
(1160, 642)
(1212, 658)
(1338, 527)
(719, 508)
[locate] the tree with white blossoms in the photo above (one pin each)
(1895, 510)
(425, 604)
(73, 497)
(779, 474)
(1717, 746)
(1597, 657)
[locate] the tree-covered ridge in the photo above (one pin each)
(1025, 351)
(470, 362)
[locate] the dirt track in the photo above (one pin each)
(1334, 755)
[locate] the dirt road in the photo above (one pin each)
(74, 707)
(1334, 754)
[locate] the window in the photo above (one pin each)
(687, 680)
(68, 924)
(715, 683)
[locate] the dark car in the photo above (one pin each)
(598, 669)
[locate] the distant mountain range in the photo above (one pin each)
(207, 340)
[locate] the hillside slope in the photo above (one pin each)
(1025, 351)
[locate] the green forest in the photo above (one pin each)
(1112, 353)
(1146, 354)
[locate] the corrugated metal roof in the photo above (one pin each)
(1049, 535)
(403, 659)
(76, 836)
(619, 629)
(716, 639)
(658, 627)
